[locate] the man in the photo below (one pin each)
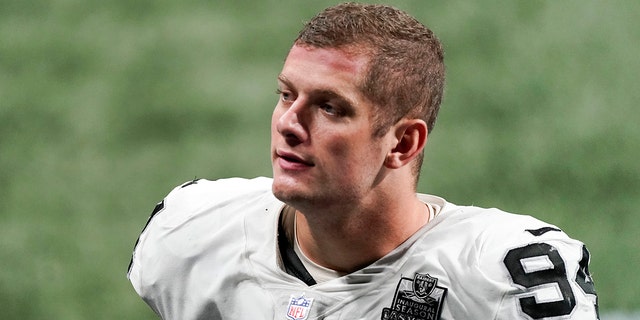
(339, 232)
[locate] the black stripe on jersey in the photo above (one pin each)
(194, 181)
(541, 231)
(290, 260)
(156, 209)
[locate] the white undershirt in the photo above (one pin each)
(318, 272)
(322, 274)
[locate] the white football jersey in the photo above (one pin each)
(210, 251)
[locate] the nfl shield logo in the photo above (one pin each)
(299, 307)
(423, 285)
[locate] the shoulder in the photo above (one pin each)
(202, 206)
(540, 270)
(200, 194)
(201, 191)
(198, 222)
(495, 228)
(495, 233)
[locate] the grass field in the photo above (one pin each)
(106, 105)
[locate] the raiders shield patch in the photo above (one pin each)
(419, 298)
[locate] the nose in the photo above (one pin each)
(292, 123)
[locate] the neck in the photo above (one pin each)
(348, 238)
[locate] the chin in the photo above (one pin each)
(291, 194)
(284, 191)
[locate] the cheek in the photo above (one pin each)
(355, 153)
(338, 146)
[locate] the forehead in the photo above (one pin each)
(325, 67)
(342, 59)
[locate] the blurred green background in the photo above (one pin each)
(107, 105)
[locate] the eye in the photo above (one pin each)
(330, 109)
(285, 96)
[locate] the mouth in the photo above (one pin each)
(293, 159)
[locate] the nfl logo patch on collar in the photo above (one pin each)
(299, 307)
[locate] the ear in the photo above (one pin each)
(411, 137)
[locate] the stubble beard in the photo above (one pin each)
(309, 200)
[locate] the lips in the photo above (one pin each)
(290, 160)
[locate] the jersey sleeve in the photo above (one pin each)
(180, 235)
(140, 261)
(544, 274)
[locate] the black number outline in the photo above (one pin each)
(557, 275)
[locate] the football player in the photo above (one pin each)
(339, 232)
